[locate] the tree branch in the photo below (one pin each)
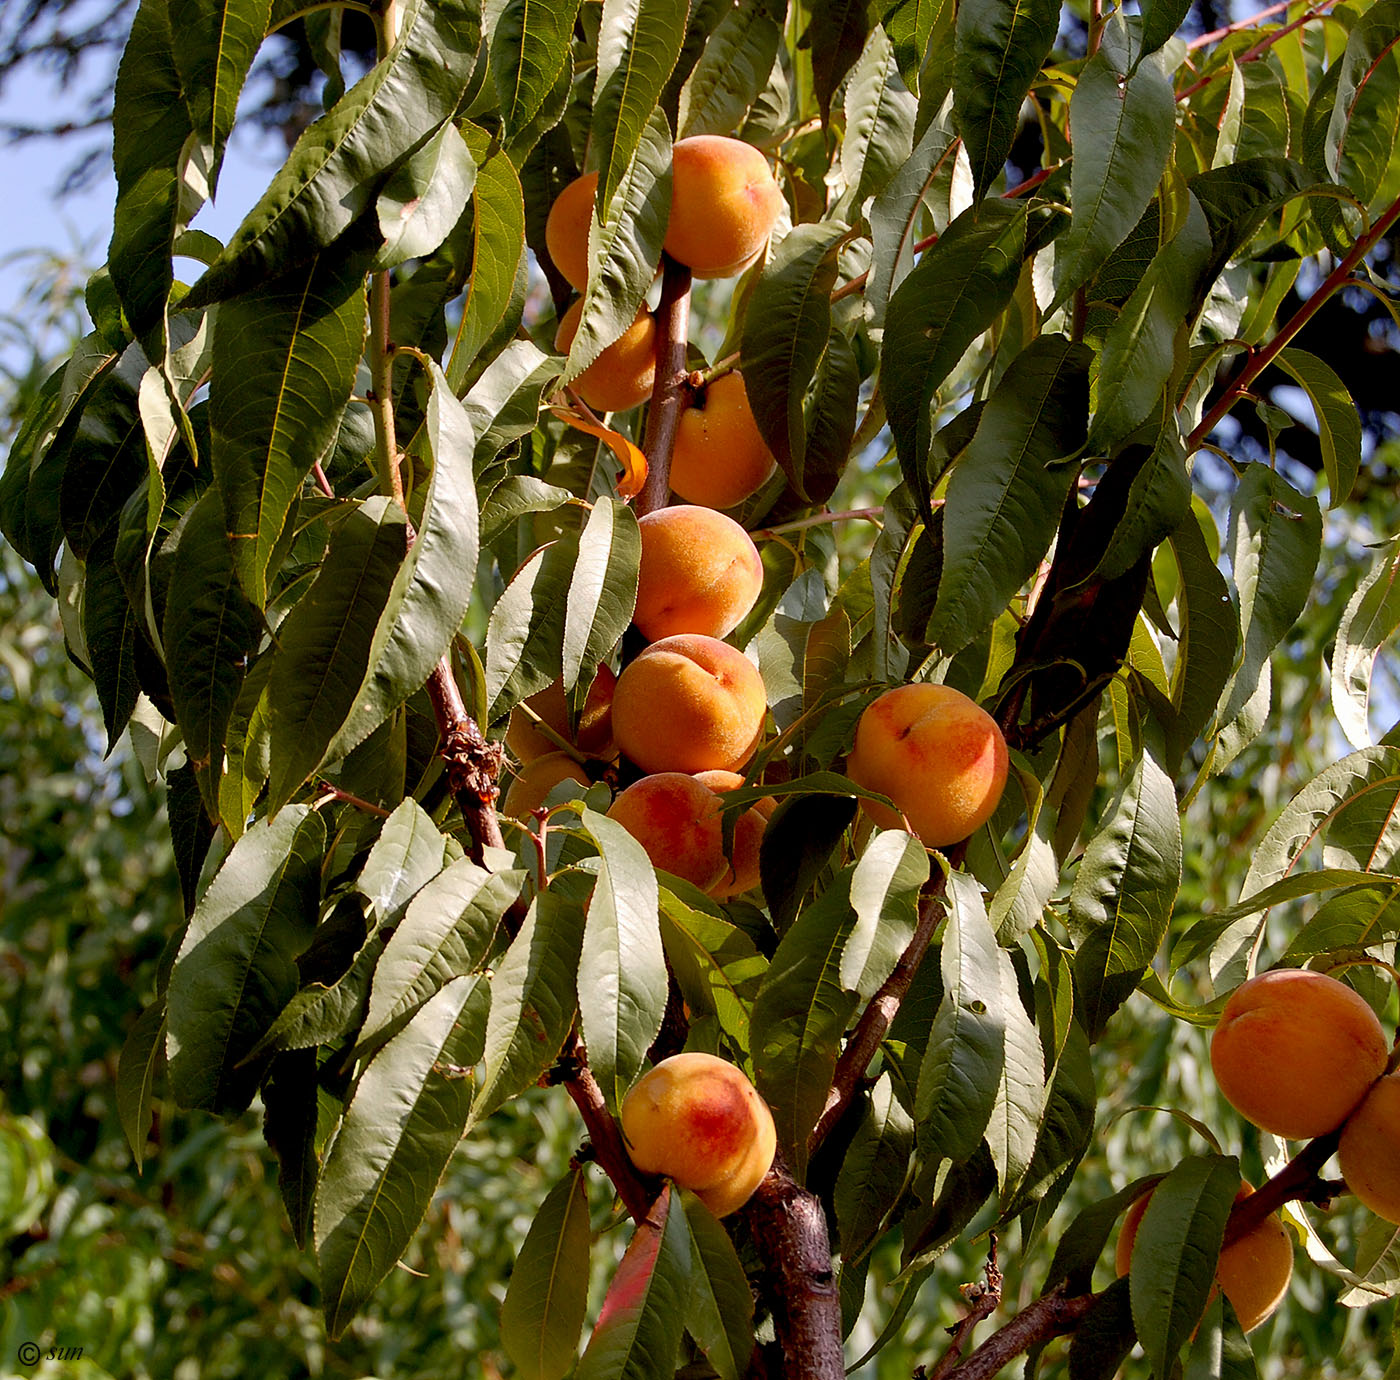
(671, 391)
(1051, 1315)
(473, 764)
(983, 1298)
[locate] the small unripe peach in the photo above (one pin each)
(622, 375)
(566, 229)
(938, 755)
(1369, 1151)
(675, 818)
(689, 703)
(700, 573)
(698, 1120)
(1254, 1270)
(537, 778)
(723, 205)
(720, 457)
(741, 871)
(593, 736)
(1296, 1050)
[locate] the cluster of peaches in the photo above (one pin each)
(1301, 1055)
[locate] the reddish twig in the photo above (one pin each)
(1299, 1180)
(983, 1298)
(1051, 1315)
(1256, 18)
(671, 391)
(1258, 50)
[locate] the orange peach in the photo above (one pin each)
(689, 703)
(724, 201)
(566, 229)
(1296, 1050)
(622, 376)
(1369, 1151)
(675, 817)
(700, 573)
(741, 869)
(698, 1120)
(593, 736)
(537, 778)
(720, 457)
(1254, 1270)
(937, 755)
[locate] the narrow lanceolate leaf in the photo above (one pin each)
(1338, 423)
(424, 198)
(639, 1329)
(236, 968)
(836, 37)
(622, 967)
(211, 627)
(533, 1001)
(1123, 893)
(720, 1315)
(150, 125)
(1001, 46)
(111, 630)
(290, 1115)
(1007, 488)
(733, 69)
(284, 364)
(141, 1056)
(1160, 20)
(1370, 41)
(955, 292)
(885, 897)
(1174, 1256)
(547, 1297)
(409, 853)
(638, 43)
(1219, 1349)
(324, 644)
(602, 592)
(433, 586)
(529, 48)
(340, 162)
(399, 1131)
(879, 122)
(1122, 128)
(874, 1171)
(1371, 617)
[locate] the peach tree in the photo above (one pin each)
(323, 507)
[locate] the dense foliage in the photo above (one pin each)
(319, 520)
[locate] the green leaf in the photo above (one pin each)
(324, 644)
(547, 1297)
(733, 69)
(720, 1313)
(1105, 1335)
(432, 589)
(110, 630)
(622, 966)
(879, 135)
(1370, 42)
(236, 968)
(836, 37)
(638, 44)
(1175, 1253)
(1160, 20)
(285, 355)
(399, 1131)
(875, 1169)
(1007, 488)
(602, 591)
(424, 198)
(801, 836)
(341, 161)
(142, 1054)
(291, 1115)
(1123, 893)
(529, 50)
(715, 964)
(533, 1001)
(1371, 617)
(210, 630)
(1338, 425)
(885, 890)
(955, 292)
(1001, 47)
(1121, 125)
(191, 829)
(639, 1329)
(409, 852)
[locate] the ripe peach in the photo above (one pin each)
(698, 1120)
(537, 778)
(675, 817)
(720, 458)
(723, 205)
(700, 573)
(593, 737)
(566, 229)
(1369, 1151)
(741, 870)
(1296, 1050)
(621, 377)
(1254, 1270)
(937, 755)
(689, 703)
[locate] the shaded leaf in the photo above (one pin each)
(720, 1313)
(529, 51)
(1372, 614)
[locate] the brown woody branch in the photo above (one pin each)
(983, 1299)
(671, 391)
(1051, 1315)
(473, 764)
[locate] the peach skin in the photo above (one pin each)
(700, 573)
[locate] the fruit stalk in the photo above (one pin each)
(670, 392)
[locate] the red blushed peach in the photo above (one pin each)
(689, 703)
(937, 755)
(537, 778)
(700, 573)
(1369, 1151)
(720, 457)
(723, 205)
(741, 869)
(622, 376)
(676, 820)
(593, 736)
(1296, 1050)
(698, 1120)
(566, 229)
